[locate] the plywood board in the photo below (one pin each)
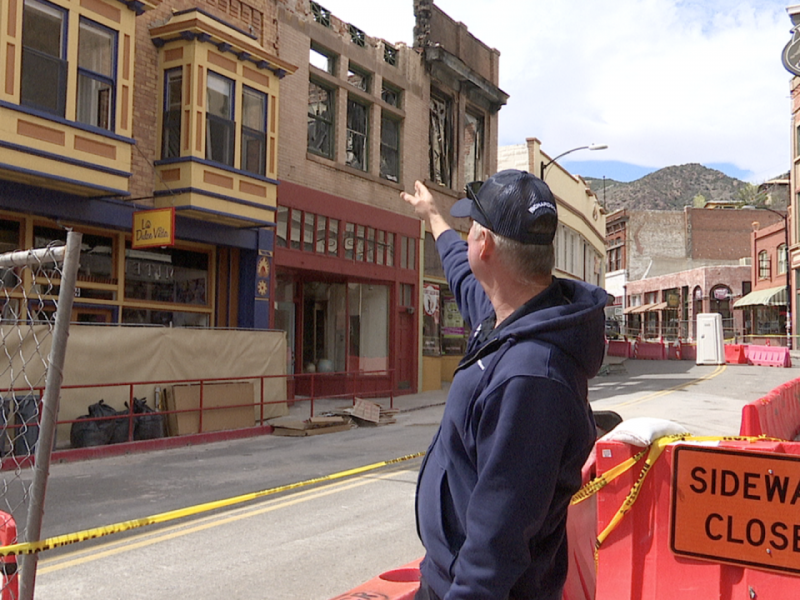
(225, 406)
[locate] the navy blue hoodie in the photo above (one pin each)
(495, 485)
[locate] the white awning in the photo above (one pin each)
(770, 297)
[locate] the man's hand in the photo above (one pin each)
(425, 206)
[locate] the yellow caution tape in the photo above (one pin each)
(653, 453)
(98, 532)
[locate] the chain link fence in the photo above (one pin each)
(37, 288)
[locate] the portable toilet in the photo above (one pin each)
(710, 343)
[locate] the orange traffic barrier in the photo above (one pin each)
(770, 356)
(397, 584)
(8, 564)
(735, 354)
(775, 415)
(708, 522)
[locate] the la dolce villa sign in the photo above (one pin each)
(153, 228)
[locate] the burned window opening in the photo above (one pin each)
(390, 55)
(390, 149)
(357, 118)
(473, 144)
(390, 95)
(358, 78)
(320, 120)
(322, 59)
(440, 142)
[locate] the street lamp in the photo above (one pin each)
(788, 273)
(589, 147)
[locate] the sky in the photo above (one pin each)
(661, 82)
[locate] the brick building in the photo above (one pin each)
(116, 107)
(764, 308)
(361, 120)
(664, 267)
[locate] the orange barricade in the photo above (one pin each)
(397, 584)
(723, 530)
(8, 564)
(770, 356)
(775, 415)
(735, 354)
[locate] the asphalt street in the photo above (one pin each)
(320, 540)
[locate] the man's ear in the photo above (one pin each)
(487, 245)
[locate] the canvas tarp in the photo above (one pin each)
(105, 355)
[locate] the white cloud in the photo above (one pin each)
(662, 82)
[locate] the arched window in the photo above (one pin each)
(763, 265)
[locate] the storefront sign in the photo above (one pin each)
(153, 228)
(736, 507)
(673, 300)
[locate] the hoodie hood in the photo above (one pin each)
(568, 315)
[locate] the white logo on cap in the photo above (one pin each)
(534, 207)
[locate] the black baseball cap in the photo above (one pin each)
(510, 203)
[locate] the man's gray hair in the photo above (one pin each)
(526, 261)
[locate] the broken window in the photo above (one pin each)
(357, 135)
(322, 59)
(390, 54)
(320, 120)
(441, 140)
(473, 148)
(390, 95)
(358, 78)
(390, 149)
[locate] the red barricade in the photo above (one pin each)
(619, 348)
(8, 564)
(775, 415)
(397, 584)
(735, 354)
(688, 351)
(650, 351)
(770, 356)
(637, 561)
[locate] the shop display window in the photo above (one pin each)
(97, 257)
(166, 318)
(167, 275)
(369, 327)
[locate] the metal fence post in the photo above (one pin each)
(49, 414)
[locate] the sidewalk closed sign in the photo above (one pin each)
(736, 507)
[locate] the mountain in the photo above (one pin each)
(671, 188)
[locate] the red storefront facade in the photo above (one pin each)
(346, 293)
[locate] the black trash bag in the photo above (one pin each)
(87, 432)
(149, 425)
